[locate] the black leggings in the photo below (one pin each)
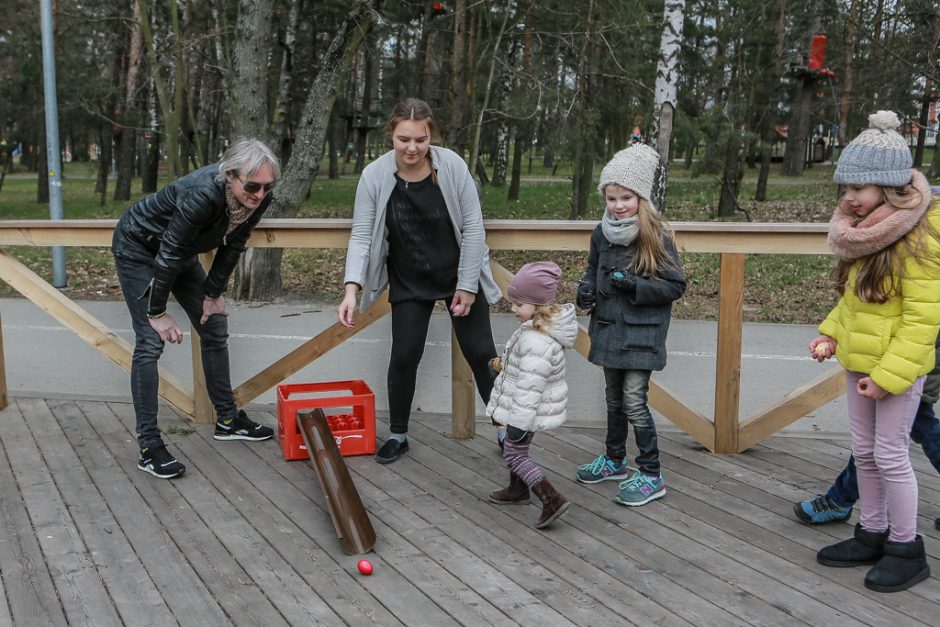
(410, 321)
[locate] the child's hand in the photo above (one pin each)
(623, 280)
(822, 348)
(586, 298)
(869, 389)
(495, 366)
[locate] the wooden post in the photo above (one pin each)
(463, 393)
(728, 362)
(4, 401)
(203, 412)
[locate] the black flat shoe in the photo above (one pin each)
(391, 451)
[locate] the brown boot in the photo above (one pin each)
(517, 492)
(553, 503)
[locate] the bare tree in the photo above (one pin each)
(260, 272)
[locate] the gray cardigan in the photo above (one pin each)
(368, 242)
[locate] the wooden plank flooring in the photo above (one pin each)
(244, 538)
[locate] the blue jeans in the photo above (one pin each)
(925, 431)
(135, 277)
(626, 392)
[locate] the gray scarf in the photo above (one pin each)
(621, 232)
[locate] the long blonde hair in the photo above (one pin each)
(652, 257)
(880, 273)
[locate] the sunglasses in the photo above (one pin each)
(252, 187)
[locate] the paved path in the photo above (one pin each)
(42, 357)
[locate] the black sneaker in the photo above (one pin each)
(241, 428)
(391, 451)
(159, 463)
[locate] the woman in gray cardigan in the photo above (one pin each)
(418, 231)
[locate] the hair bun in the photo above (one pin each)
(884, 121)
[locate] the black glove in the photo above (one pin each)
(622, 280)
(586, 297)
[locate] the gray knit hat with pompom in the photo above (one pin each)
(878, 156)
(633, 168)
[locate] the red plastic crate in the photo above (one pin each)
(350, 411)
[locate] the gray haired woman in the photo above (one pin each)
(156, 245)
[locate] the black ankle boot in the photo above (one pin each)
(903, 565)
(867, 547)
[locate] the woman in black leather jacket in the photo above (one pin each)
(156, 246)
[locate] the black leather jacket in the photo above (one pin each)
(185, 218)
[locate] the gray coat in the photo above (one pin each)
(628, 331)
(368, 242)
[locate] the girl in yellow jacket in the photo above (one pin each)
(886, 233)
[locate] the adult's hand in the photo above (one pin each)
(869, 389)
(211, 307)
(586, 297)
(348, 307)
(167, 329)
(460, 305)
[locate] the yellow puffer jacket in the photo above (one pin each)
(892, 342)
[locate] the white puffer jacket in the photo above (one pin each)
(531, 393)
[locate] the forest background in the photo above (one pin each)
(749, 105)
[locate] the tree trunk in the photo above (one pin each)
(731, 176)
(519, 146)
(128, 118)
(848, 73)
(767, 126)
(487, 92)
(664, 99)
(252, 46)
(455, 94)
(260, 274)
(282, 129)
(794, 158)
(362, 132)
(106, 141)
(171, 111)
(583, 156)
(923, 121)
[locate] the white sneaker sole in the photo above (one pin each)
(153, 472)
(651, 497)
(236, 436)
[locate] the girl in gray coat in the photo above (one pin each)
(633, 277)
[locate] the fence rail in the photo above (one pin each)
(725, 433)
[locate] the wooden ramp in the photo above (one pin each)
(245, 538)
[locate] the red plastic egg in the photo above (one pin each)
(365, 567)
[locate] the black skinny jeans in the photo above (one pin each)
(410, 321)
(135, 278)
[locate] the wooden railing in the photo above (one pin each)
(726, 433)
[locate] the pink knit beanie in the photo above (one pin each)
(535, 283)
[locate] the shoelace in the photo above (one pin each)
(823, 504)
(596, 465)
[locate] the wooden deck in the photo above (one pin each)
(245, 538)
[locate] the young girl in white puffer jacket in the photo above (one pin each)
(530, 393)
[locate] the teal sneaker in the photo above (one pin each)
(821, 510)
(604, 469)
(640, 489)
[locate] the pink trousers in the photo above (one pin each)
(881, 430)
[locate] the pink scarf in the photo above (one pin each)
(851, 239)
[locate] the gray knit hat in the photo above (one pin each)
(535, 283)
(633, 168)
(878, 156)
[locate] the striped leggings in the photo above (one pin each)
(516, 456)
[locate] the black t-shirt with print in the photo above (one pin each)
(423, 254)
